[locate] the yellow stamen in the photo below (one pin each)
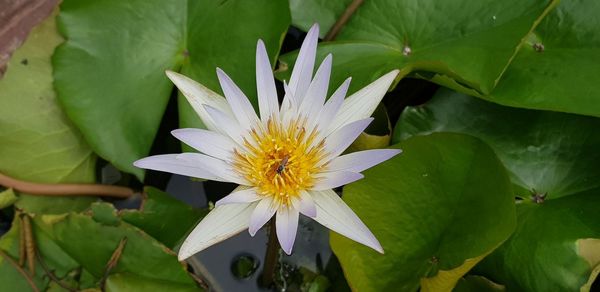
(281, 160)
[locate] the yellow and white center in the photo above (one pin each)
(282, 161)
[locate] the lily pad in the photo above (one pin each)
(552, 153)
(326, 12)
(110, 71)
(556, 68)
(470, 42)
(552, 158)
(472, 283)
(556, 246)
(437, 209)
(163, 217)
(39, 143)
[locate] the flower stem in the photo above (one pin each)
(270, 256)
(337, 26)
(41, 189)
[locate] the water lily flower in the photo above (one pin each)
(287, 160)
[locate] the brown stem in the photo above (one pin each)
(270, 256)
(29, 243)
(335, 29)
(113, 261)
(65, 189)
(51, 275)
(18, 268)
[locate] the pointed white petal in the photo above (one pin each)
(286, 224)
(198, 96)
(305, 63)
(337, 142)
(219, 167)
(240, 105)
(330, 180)
(265, 84)
(170, 163)
(261, 214)
(240, 195)
(362, 103)
(305, 204)
(317, 91)
(288, 98)
(359, 161)
(332, 106)
(334, 214)
(221, 223)
(330, 109)
(208, 142)
(226, 124)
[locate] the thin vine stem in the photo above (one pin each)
(20, 270)
(42, 189)
(335, 29)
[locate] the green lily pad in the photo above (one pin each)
(163, 217)
(70, 246)
(325, 12)
(552, 153)
(556, 69)
(105, 213)
(123, 282)
(51, 254)
(437, 209)
(243, 22)
(556, 246)
(552, 160)
(7, 198)
(110, 71)
(471, 42)
(39, 143)
(77, 235)
(472, 283)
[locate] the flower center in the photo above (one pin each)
(281, 160)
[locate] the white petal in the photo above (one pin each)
(317, 91)
(334, 214)
(305, 204)
(261, 214)
(208, 142)
(198, 96)
(330, 180)
(265, 84)
(330, 109)
(359, 161)
(221, 223)
(289, 108)
(240, 195)
(219, 167)
(226, 124)
(305, 63)
(337, 142)
(170, 163)
(362, 103)
(332, 106)
(240, 105)
(286, 224)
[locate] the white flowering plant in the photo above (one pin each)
(294, 145)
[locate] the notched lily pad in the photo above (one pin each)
(445, 202)
(552, 158)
